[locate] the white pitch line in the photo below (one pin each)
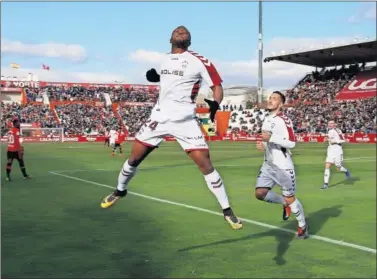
(365, 159)
(317, 237)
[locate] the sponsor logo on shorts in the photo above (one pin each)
(195, 138)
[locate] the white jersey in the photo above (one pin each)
(335, 137)
(282, 139)
(181, 76)
(113, 135)
(335, 149)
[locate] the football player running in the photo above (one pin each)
(278, 169)
(181, 74)
(334, 153)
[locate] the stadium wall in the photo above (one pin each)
(302, 138)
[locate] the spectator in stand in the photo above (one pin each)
(134, 116)
(78, 119)
(28, 113)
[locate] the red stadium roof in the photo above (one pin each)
(334, 56)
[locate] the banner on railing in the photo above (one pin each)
(39, 84)
(314, 138)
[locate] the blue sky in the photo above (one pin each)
(120, 40)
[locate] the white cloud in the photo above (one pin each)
(71, 52)
(366, 11)
(275, 74)
(146, 57)
(63, 76)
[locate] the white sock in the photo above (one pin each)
(343, 169)
(327, 176)
(216, 186)
(298, 211)
(273, 197)
(125, 176)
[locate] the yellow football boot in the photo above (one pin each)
(112, 198)
(232, 219)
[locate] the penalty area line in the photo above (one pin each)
(260, 224)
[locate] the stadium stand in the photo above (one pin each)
(345, 93)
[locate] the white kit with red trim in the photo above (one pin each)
(282, 140)
(181, 76)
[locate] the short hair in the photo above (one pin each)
(281, 95)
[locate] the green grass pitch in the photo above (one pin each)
(53, 225)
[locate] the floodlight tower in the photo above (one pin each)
(260, 58)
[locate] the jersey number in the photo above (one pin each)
(10, 139)
(151, 125)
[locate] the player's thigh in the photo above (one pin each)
(264, 178)
(286, 179)
(151, 133)
(330, 158)
(189, 135)
(11, 155)
(338, 159)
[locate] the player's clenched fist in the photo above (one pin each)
(260, 146)
(153, 76)
(213, 108)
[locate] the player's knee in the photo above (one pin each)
(202, 160)
(260, 193)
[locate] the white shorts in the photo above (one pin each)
(270, 176)
(335, 155)
(112, 142)
(187, 133)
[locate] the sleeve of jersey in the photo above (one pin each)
(283, 134)
(339, 138)
(209, 73)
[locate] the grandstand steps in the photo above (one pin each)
(117, 116)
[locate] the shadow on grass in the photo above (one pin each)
(316, 221)
(350, 181)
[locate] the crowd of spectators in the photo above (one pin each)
(351, 116)
(78, 119)
(134, 116)
(61, 93)
(313, 99)
(314, 105)
(322, 86)
(27, 114)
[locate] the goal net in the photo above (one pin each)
(43, 134)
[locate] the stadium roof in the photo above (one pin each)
(333, 56)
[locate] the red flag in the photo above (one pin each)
(45, 67)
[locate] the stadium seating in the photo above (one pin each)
(311, 104)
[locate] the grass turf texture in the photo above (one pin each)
(53, 226)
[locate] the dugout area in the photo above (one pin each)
(171, 226)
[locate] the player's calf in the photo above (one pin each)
(340, 168)
(298, 211)
(216, 185)
(267, 195)
(23, 168)
(128, 171)
(9, 169)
